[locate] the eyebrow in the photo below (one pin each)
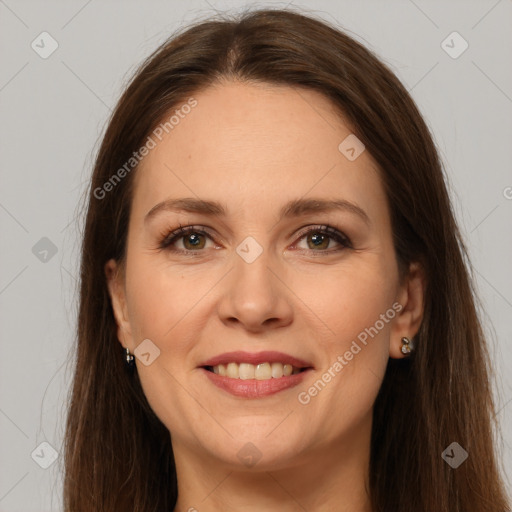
(294, 208)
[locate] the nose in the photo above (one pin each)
(255, 296)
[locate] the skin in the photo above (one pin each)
(253, 147)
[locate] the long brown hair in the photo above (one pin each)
(118, 455)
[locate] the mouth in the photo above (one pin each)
(255, 375)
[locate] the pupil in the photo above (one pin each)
(318, 239)
(194, 239)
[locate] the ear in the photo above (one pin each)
(411, 297)
(116, 289)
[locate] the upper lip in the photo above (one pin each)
(240, 356)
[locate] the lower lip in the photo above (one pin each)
(253, 388)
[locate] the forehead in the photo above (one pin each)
(245, 143)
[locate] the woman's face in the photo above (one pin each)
(261, 282)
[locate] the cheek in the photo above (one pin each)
(160, 297)
(356, 305)
(163, 305)
(350, 298)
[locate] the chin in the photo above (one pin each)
(257, 450)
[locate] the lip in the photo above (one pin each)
(256, 358)
(253, 388)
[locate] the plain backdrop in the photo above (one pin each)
(53, 112)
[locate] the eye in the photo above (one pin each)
(318, 238)
(193, 239)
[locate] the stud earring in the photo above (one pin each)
(407, 345)
(129, 359)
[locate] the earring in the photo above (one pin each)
(407, 346)
(130, 362)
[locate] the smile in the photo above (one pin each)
(255, 374)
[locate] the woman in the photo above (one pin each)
(275, 311)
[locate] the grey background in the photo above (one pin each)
(53, 112)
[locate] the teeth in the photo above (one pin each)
(246, 371)
(232, 371)
(262, 371)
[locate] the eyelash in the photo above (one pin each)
(166, 240)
